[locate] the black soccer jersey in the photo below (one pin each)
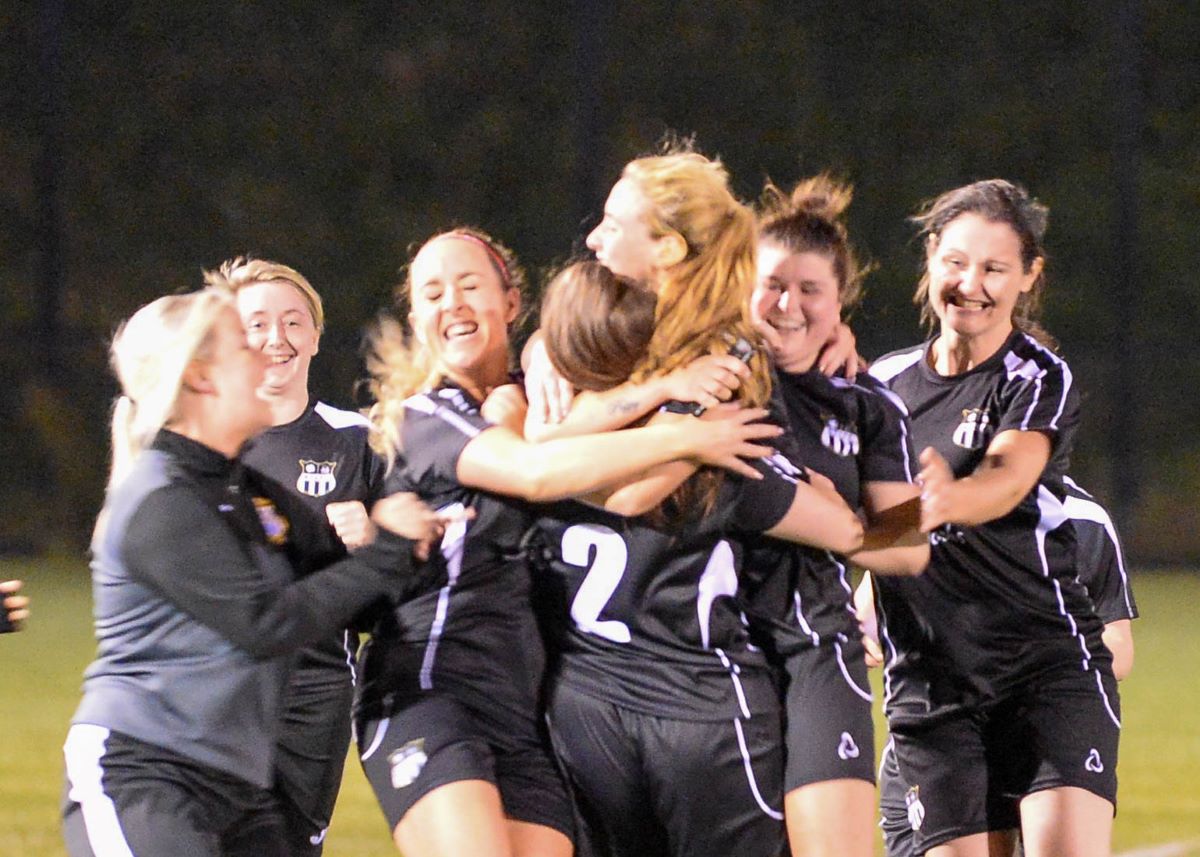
(1101, 562)
(852, 433)
(475, 636)
(1000, 602)
(645, 617)
(320, 457)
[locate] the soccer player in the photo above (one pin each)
(1102, 569)
(998, 684)
(665, 717)
(448, 718)
(171, 750)
(316, 464)
(799, 599)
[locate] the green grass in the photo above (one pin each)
(41, 667)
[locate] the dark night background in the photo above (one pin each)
(144, 141)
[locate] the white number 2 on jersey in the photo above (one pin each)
(601, 580)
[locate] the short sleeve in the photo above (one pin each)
(887, 453)
(1102, 569)
(757, 505)
(433, 436)
(1041, 395)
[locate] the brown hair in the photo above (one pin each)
(997, 201)
(399, 365)
(809, 220)
(596, 325)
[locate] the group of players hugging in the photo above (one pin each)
(610, 596)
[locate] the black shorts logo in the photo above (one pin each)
(407, 762)
(916, 809)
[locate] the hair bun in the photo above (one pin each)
(822, 196)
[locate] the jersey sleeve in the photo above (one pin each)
(433, 436)
(179, 547)
(1102, 569)
(1042, 395)
(887, 453)
(759, 504)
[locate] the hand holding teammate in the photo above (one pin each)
(506, 406)
(406, 515)
(938, 490)
(707, 380)
(723, 436)
(549, 394)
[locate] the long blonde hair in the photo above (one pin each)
(149, 355)
(703, 300)
(398, 364)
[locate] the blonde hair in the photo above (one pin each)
(149, 355)
(400, 366)
(703, 300)
(242, 271)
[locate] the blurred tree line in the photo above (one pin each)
(145, 141)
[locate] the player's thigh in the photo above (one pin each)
(830, 733)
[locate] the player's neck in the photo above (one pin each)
(286, 405)
(954, 354)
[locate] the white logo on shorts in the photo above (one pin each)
(318, 838)
(407, 763)
(1094, 763)
(916, 809)
(847, 749)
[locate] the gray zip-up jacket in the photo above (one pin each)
(198, 616)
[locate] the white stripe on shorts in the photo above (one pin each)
(83, 751)
(762, 804)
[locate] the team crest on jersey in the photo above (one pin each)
(274, 524)
(916, 809)
(841, 440)
(407, 763)
(316, 477)
(975, 430)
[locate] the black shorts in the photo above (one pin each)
(650, 785)
(124, 796)
(436, 741)
(311, 754)
(966, 774)
(830, 734)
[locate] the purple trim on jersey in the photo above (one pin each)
(889, 367)
(1051, 516)
(425, 404)
(1022, 367)
(453, 543)
(896, 402)
(1079, 509)
(737, 682)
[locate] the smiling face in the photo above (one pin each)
(975, 279)
(797, 295)
(236, 370)
(461, 311)
(622, 242)
(279, 323)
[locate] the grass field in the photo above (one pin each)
(1160, 748)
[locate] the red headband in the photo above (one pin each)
(491, 251)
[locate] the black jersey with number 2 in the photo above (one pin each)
(644, 616)
(1000, 602)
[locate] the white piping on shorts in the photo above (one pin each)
(380, 731)
(841, 660)
(83, 751)
(758, 798)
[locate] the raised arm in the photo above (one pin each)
(1011, 467)
(893, 542)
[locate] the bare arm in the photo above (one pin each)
(893, 542)
(1012, 466)
(820, 518)
(500, 460)
(1118, 637)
